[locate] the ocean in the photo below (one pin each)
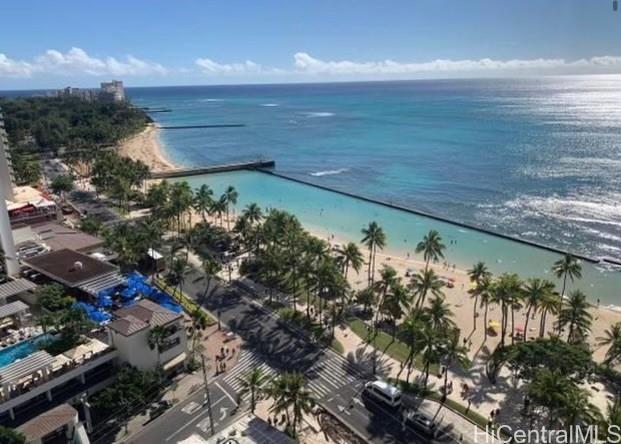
(538, 159)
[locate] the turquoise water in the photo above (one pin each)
(536, 158)
(23, 349)
(344, 216)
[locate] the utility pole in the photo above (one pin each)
(207, 395)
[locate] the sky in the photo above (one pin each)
(51, 44)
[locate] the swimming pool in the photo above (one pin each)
(11, 354)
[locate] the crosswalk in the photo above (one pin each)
(332, 373)
(328, 375)
(248, 361)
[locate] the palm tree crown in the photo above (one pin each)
(567, 267)
(574, 314)
(432, 247)
(373, 238)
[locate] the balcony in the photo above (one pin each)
(44, 379)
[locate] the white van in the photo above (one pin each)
(384, 392)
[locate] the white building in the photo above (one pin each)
(132, 328)
(113, 91)
(41, 379)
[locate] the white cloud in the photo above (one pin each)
(77, 62)
(209, 66)
(14, 68)
(304, 63)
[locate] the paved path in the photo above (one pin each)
(271, 345)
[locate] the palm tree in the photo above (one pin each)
(351, 257)
(177, 274)
(252, 382)
(430, 344)
(410, 332)
(478, 274)
(535, 291)
(210, 269)
(549, 304)
(366, 297)
(577, 409)
(150, 232)
(230, 197)
(486, 297)
(252, 213)
(566, 267)
(507, 292)
(396, 302)
(181, 198)
(575, 314)
(388, 278)
(424, 282)
(432, 247)
(454, 353)
(157, 340)
(373, 238)
(289, 393)
(612, 339)
(439, 315)
(203, 199)
(199, 323)
(548, 390)
(218, 207)
(613, 416)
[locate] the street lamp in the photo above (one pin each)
(207, 395)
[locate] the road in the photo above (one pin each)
(335, 383)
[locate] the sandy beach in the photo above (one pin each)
(147, 148)
(462, 303)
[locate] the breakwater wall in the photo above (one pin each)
(222, 125)
(431, 216)
(261, 165)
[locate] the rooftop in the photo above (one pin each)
(26, 194)
(69, 267)
(12, 288)
(12, 309)
(58, 237)
(25, 367)
(48, 422)
(139, 316)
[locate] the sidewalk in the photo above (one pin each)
(461, 428)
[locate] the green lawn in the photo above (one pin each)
(386, 343)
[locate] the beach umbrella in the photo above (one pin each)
(493, 324)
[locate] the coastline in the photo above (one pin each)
(146, 146)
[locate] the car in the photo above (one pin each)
(421, 422)
(384, 392)
(157, 408)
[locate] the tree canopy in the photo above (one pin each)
(39, 124)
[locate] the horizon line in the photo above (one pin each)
(331, 81)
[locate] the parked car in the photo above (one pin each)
(421, 422)
(157, 408)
